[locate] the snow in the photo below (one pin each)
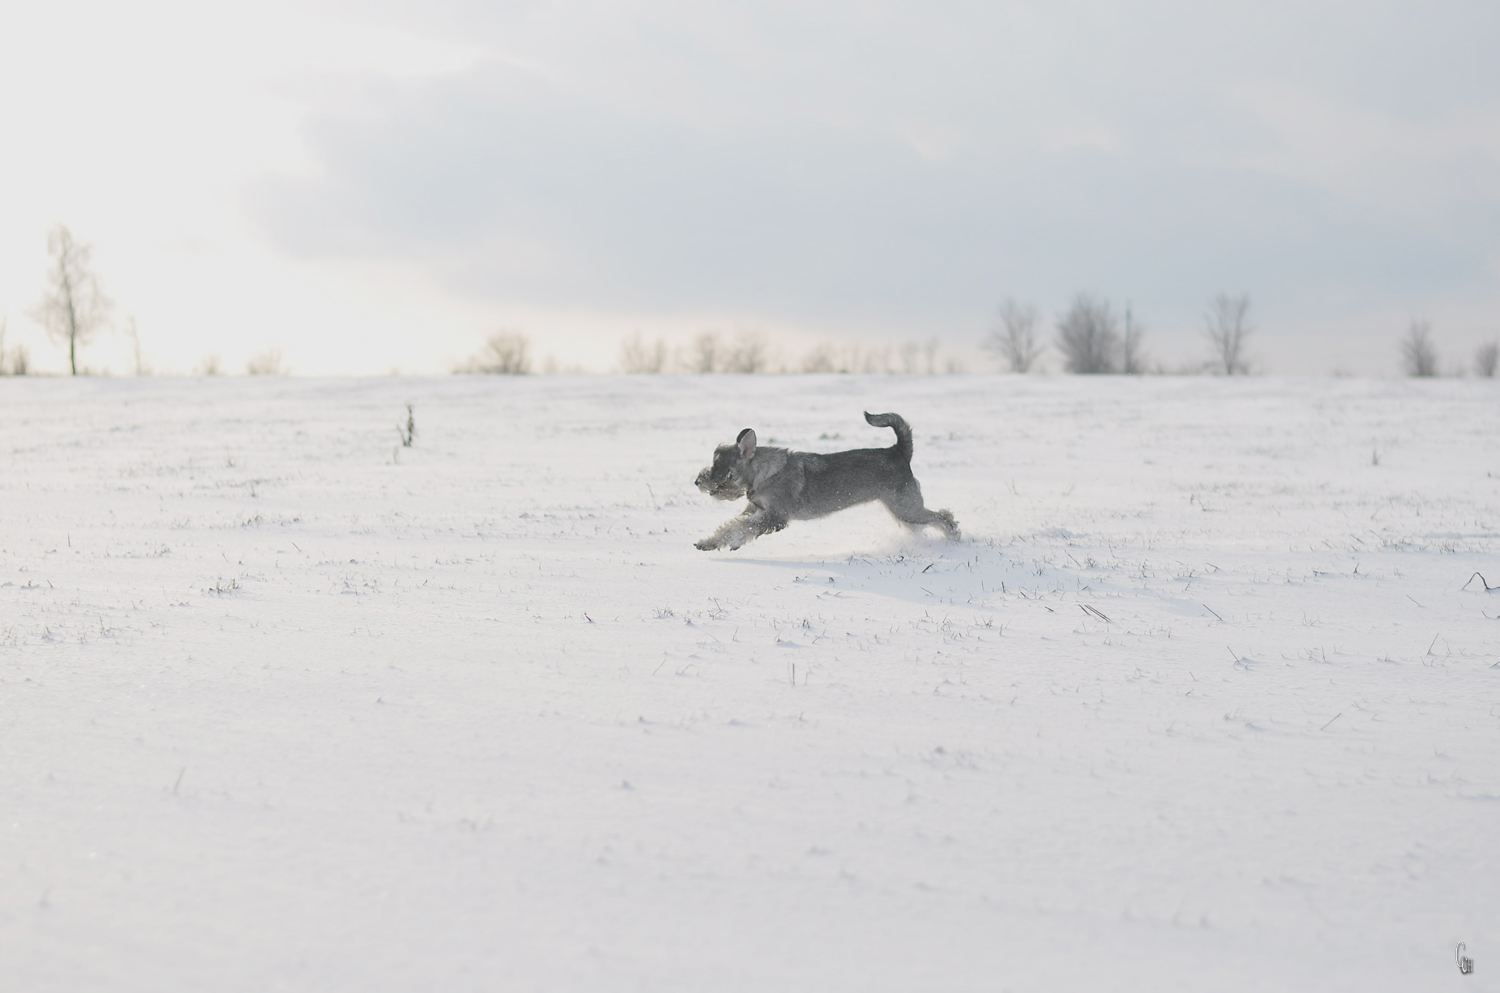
(1202, 700)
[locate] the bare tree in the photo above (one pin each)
(1486, 357)
(751, 353)
(505, 354)
(74, 306)
(210, 365)
(266, 362)
(141, 364)
(930, 355)
(1132, 357)
(1418, 354)
(910, 358)
(636, 356)
(13, 361)
(1227, 330)
(819, 359)
(1088, 336)
(705, 354)
(1012, 336)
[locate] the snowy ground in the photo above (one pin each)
(1202, 701)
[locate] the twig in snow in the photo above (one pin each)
(1232, 653)
(929, 566)
(1331, 720)
(1414, 600)
(1487, 587)
(1096, 612)
(179, 779)
(1211, 610)
(1434, 642)
(409, 433)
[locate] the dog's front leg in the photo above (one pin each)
(736, 531)
(727, 531)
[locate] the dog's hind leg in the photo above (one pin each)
(907, 507)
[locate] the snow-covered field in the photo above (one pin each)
(1201, 701)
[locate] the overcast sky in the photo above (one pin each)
(380, 186)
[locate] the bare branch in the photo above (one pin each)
(1012, 336)
(505, 354)
(1132, 356)
(266, 362)
(638, 357)
(1486, 357)
(1418, 354)
(1227, 330)
(1089, 338)
(751, 353)
(705, 354)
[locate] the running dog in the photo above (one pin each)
(784, 486)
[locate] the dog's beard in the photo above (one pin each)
(727, 489)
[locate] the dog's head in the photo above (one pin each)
(725, 478)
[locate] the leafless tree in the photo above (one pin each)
(911, 363)
(1486, 357)
(505, 354)
(1418, 354)
(140, 363)
(74, 306)
(751, 353)
(1132, 356)
(930, 355)
(1012, 336)
(819, 359)
(1088, 336)
(920, 357)
(13, 361)
(636, 356)
(266, 362)
(1227, 329)
(705, 354)
(210, 365)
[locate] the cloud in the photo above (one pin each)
(514, 184)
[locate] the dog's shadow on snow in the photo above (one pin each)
(923, 571)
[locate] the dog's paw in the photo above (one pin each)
(705, 545)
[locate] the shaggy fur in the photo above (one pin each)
(783, 485)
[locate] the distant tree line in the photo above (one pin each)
(1093, 339)
(74, 310)
(1419, 355)
(1090, 337)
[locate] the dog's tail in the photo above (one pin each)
(897, 424)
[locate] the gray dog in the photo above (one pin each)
(787, 486)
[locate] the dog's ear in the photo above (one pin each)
(746, 442)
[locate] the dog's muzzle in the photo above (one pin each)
(724, 489)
